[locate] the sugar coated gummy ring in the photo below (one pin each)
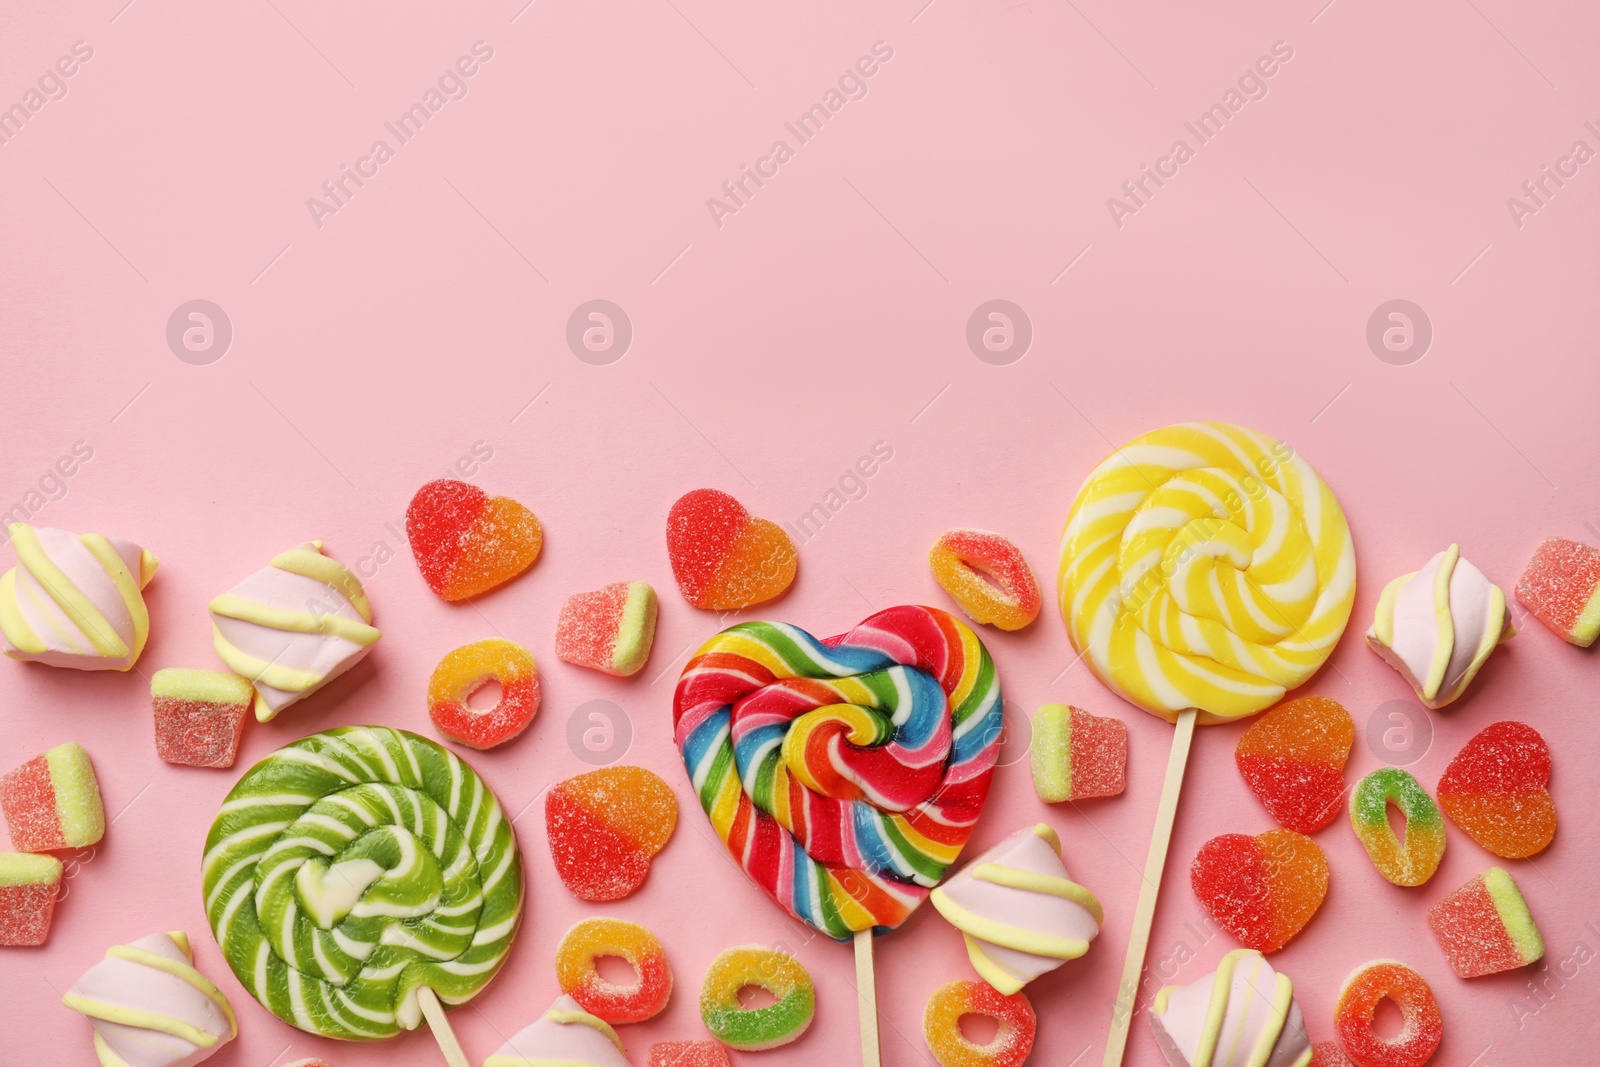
(845, 775)
(468, 669)
(576, 972)
(941, 1026)
(987, 576)
(1421, 1028)
(352, 868)
(1205, 566)
(1413, 862)
(752, 1029)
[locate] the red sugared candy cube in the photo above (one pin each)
(688, 1054)
(53, 801)
(199, 715)
(1485, 927)
(1562, 588)
(609, 629)
(28, 886)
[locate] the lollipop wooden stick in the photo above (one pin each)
(433, 1011)
(1144, 912)
(867, 994)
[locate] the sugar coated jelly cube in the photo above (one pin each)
(688, 1054)
(53, 801)
(1562, 588)
(1485, 926)
(610, 629)
(28, 888)
(199, 715)
(1076, 755)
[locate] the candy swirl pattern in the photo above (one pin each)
(1205, 566)
(352, 868)
(844, 775)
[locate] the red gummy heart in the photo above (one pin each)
(467, 542)
(1293, 759)
(605, 827)
(723, 558)
(1495, 790)
(1264, 889)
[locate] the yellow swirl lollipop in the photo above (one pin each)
(1205, 571)
(1205, 566)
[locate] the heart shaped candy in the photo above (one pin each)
(1293, 759)
(844, 776)
(1262, 889)
(606, 826)
(467, 542)
(1495, 790)
(723, 558)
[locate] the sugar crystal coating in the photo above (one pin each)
(1293, 759)
(28, 888)
(579, 978)
(1077, 756)
(467, 542)
(53, 801)
(723, 558)
(1562, 588)
(753, 1029)
(1414, 861)
(1495, 790)
(608, 630)
(1264, 889)
(1422, 1027)
(987, 575)
(941, 1026)
(469, 668)
(605, 827)
(688, 1054)
(199, 715)
(1329, 1054)
(1485, 926)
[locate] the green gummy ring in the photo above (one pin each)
(426, 888)
(753, 1029)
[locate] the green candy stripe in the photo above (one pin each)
(362, 804)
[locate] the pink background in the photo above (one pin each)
(768, 355)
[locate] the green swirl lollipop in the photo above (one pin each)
(352, 870)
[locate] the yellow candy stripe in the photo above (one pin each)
(128, 586)
(124, 1015)
(328, 571)
(1205, 566)
(307, 564)
(90, 629)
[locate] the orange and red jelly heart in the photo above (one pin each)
(723, 558)
(1264, 889)
(1293, 759)
(1495, 790)
(467, 542)
(606, 826)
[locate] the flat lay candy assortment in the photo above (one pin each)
(360, 880)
